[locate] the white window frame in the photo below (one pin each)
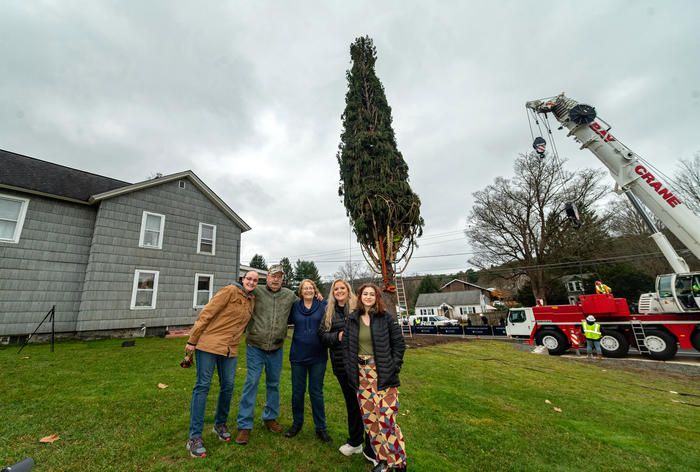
(467, 310)
(213, 240)
(574, 286)
(19, 223)
(426, 311)
(196, 284)
(134, 289)
(143, 230)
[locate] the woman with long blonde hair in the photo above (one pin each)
(341, 302)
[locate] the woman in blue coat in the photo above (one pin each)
(308, 358)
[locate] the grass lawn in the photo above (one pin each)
(464, 406)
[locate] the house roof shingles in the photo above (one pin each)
(23, 172)
(468, 297)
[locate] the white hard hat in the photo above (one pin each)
(590, 318)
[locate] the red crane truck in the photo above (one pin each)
(669, 317)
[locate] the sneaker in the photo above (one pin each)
(370, 457)
(348, 450)
(380, 467)
(222, 431)
(196, 447)
(273, 426)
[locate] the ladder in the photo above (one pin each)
(402, 315)
(639, 336)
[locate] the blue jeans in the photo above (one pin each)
(315, 373)
(226, 368)
(256, 359)
(589, 346)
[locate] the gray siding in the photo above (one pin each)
(116, 254)
(46, 267)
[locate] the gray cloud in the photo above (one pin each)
(249, 96)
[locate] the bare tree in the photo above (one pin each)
(353, 272)
(688, 181)
(521, 222)
(632, 236)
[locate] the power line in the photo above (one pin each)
(358, 251)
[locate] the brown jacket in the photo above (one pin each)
(222, 321)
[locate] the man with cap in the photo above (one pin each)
(591, 330)
(265, 335)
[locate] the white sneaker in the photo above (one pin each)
(374, 462)
(348, 450)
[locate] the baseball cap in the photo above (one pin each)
(275, 268)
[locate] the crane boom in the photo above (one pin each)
(629, 172)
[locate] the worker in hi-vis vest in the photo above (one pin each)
(600, 287)
(591, 330)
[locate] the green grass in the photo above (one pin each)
(464, 406)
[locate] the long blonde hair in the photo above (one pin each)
(330, 309)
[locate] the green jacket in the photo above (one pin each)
(268, 325)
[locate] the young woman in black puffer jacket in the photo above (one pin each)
(374, 349)
(341, 302)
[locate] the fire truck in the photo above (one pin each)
(667, 318)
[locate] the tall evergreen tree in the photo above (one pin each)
(288, 272)
(258, 262)
(306, 270)
(383, 210)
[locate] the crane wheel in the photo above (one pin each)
(662, 346)
(614, 344)
(555, 341)
(695, 339)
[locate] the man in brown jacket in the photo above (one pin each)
(214, 338)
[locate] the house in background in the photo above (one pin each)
(453, 304)
(457, 285)
(574, 286)
(457, 299)
(108, 254)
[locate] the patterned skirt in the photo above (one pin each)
(379, 409)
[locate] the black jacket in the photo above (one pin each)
(388, 345)
(329, 338)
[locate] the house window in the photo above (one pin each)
(182, 184)
(206, 239)
(12, 213)
(145, 290)
(203, 284)
(573, 301)
(426, 311)
(152, 230)
(575, 286)
(466, 310)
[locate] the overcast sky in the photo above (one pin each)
(249, 95)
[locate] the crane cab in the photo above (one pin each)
(675, 293)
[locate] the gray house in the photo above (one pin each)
(108, 254)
